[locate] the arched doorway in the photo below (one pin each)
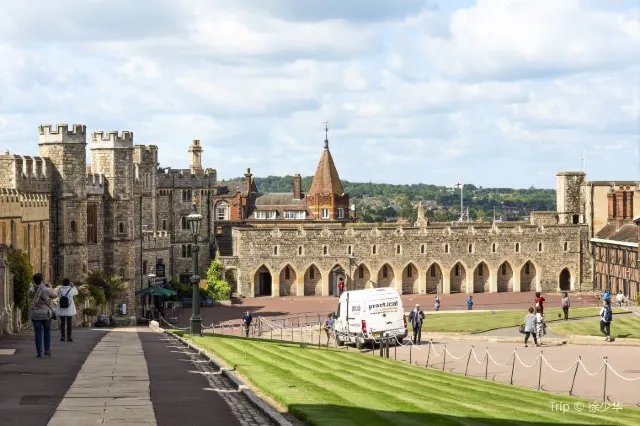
(458, 279)
(434, 279)
(362, 277)
(288, 281)
(312, 281)
(565, 280)
(410, 281)
(505, 277)
(386, 277)
(337, 273)
(262, 282)
(528, 277)
(481, 278)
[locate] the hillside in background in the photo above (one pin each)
(380, 202)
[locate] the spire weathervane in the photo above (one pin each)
(326, 134)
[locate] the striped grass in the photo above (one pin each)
(337, 387)
(478, 322)
(622, 326)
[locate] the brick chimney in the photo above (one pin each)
(630, 194)
(620, 203)
(297, 187)
(611, 200)
(248, 180)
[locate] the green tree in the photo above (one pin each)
(22, 271)
(105, 290)
(218, 288)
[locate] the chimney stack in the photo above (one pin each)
(196, 156)
(297, 187)
(248, 180)
(611, 200)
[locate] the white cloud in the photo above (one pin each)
(502, 92)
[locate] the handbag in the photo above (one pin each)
(521, 329)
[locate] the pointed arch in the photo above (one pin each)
(262, 281)
(386, 276)
(505, 276)
(529, 274)
(458, 277)
(362, 277)
(288, 281)
(231, 276)
(312, 281)
(410, 279)
(564, 280)
(435, 278)
(481, 278)
(336, 272)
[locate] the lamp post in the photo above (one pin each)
(195, 220)
(151, 280)
(352, 263)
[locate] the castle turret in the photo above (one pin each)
(196, 156)
(570, 198)
(66, 149)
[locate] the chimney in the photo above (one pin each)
(248, 180)
(620, 201)
(196, 156)
(297, 187)
(611, 200)
(630, 204)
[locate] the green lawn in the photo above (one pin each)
(336, 387)
(476, 322)
(622, 326)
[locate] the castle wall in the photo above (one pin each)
(570, 197)
(541, 248)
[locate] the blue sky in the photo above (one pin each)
(493, 92)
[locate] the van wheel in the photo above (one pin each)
(339, 341)
(359, 343)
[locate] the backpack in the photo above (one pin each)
(64, 300)
(606, 295)
(608, 315)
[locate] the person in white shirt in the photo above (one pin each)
(620, 299)
(66, 308)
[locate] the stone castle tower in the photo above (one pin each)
(570, 197)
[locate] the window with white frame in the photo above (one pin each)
(222, 211)
(295, 214)
(341, 213)
(324, 213)
(265, 214)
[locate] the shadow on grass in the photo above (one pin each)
(340, 415)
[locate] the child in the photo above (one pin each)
(437, 303)
(541, 325)
(470, 303)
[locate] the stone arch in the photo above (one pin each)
(386, 276)
(312, 281)
(528, 276)
(505, 277)
(288, 281)
(336, 272)
(458, 278)
(481, 278)
(410, 279)
(435, 277)
(231, 276)
(362, 277)
(564, 280)
(262, 281)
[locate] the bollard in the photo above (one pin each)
(606, 367)
(466, 368)
(410, 348)
(540, 371)
(271, 334)
(292, 333)
(574, 375)
(387, 348)
(486, 367)
(373, 346)
(395, 350)
(444, 361)
(513, 366)
(428, 353)
(381, 347)
(319, 335)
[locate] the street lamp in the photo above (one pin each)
(195, 220)
(151, 280)
(352, 263)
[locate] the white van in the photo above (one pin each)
(364, 315)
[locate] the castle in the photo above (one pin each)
(125, 215)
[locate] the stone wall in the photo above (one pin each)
(570, 197)
(451, 258)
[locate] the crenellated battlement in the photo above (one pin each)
(184, 179)
(60, 133)
(27, 206)
(146, 155)
(25, 173)
(111, 140)
(156, 240)
(95, 184)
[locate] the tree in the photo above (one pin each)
(218, 288)
(106, 290)
(22, 271)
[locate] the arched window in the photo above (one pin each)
(222, 211)
(470, 248)
(493, 247)
(325, 250)
(398, 249)
(275, 250)
(517, 247)
(422, 249)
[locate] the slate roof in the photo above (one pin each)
(326, 180)
(279, 199)
(626, 233)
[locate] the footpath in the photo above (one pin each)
(130, 376)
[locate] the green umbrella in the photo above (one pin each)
(156, 291)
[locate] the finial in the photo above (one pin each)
(326, 134)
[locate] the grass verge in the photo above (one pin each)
(627, 326)
(335, 387)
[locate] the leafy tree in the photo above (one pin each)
(218, 288)
(22, 271)
(105, 290)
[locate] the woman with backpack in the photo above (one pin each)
(41, 313)
(606, 316)
(66, 308)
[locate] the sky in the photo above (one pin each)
(501, 93)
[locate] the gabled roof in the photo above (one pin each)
(326, 180)
(626, 233)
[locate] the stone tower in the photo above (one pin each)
(67, 148)
(570, 198)
(196, 157)
(112, 155)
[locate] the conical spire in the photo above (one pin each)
(326, 180)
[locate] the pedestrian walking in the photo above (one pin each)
(416, 317)
(340, 286)
(530, 328)
(620, 299)
(41, 313)
(327, 326)
(566, 304)
(247, 319)
(437, 303)
(539, 302)
(541, 325)
(66, 308)
(470, 303)
(606, 316)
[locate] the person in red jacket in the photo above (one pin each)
(539, 302)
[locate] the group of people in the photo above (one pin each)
(534, 323)
(42, 311)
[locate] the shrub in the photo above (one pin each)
(22, 272)
(217, 287)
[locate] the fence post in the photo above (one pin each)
(410, 350)
(270, 333)
(373, 346)
(319, 335)
(513, 366)
(574, 375)
(444, 361)
(606, 367)
(281, 339)
(428, 353)
(540, 371)
(466, 368)
(387, 355)
(292, 332)
(486, 367)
